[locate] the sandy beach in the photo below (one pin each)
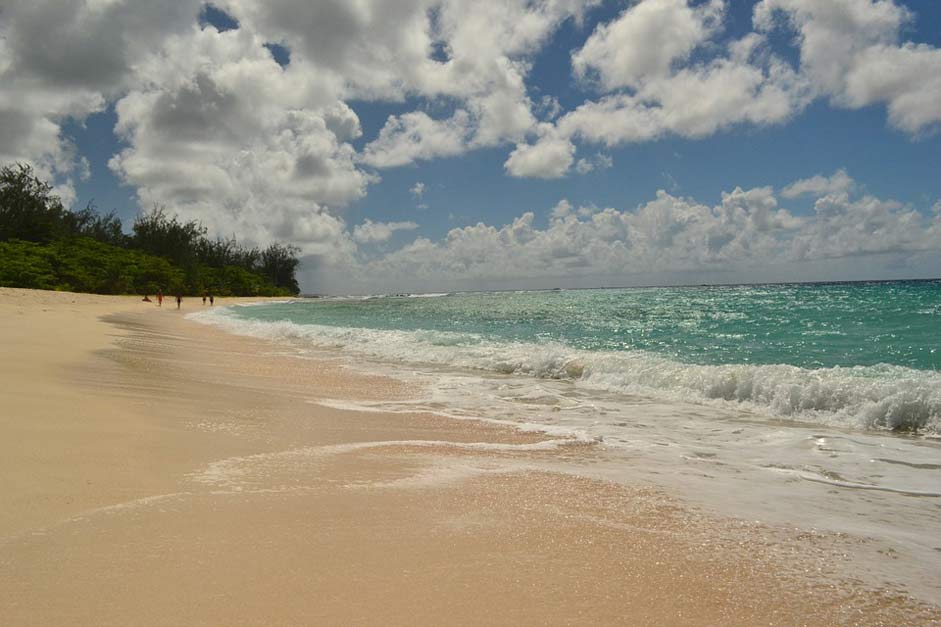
(155, 471)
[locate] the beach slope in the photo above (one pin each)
(157, 471)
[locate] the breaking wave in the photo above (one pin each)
(885, 397)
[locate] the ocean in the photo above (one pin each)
(760, 401)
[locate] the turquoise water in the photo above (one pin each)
(810, 326)
(857, 354)
(761, 402)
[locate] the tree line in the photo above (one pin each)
(43, 245)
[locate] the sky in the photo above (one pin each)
(432, 145)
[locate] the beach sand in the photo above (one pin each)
(158, 471)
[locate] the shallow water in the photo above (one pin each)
(857, 355)
(773, 403)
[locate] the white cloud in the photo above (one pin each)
(747, 85)
(850, 51)
(413, 136)
(599, 162)
(226, 136)
(418, 191)
(562, 209)
(744, 234)
(653, 84)
(549, 107)
(382, 50)
(645, 41)
(62, 59)
(550, 157)
(839, 183)
(906, 78)
(831, 34)
(95, 53)
(868, 226)
(370, 232)
(342, 121)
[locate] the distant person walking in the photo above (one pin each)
(179, 300)
(159, 298)
(212, 300)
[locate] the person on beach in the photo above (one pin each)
(179, 300)
(204, 299)
(160, 298)
(212, 300)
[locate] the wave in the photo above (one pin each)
(883, 397)
(383, 296)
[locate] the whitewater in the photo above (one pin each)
(779, 403)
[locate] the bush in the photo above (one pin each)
(45, 246)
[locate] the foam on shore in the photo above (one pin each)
(859, 397)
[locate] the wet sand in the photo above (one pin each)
(157, 471)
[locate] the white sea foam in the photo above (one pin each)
(567, 435)
(862, 397)
(712, 434)
(262, 303)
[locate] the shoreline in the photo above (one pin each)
(158, 471)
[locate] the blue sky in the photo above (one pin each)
(213, 104)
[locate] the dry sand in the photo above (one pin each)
(156, 471)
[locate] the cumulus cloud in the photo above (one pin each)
(645, 41)
(747, 84)
(192, 102)
(662, 67)
(549, 107)
(866, 226)
(550, 157)
(851, 52)
(599, 162)
(418, 191)
(561, 209)
(414, 136)
(61, 60)
(487, 48)
(227, 136)
(370, 232)
(652, 86)
(839, 183)
(747, 231)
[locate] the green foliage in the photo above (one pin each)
(104, 228)
(27, 264)
(159, 234)
(279, 264)
(45, 246)
(81, 264)
(28, 208)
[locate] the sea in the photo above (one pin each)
(816, 406)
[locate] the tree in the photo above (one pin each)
(104, 228)
(29, 210)
(158, 234)
(43, 245)
(278, 264)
